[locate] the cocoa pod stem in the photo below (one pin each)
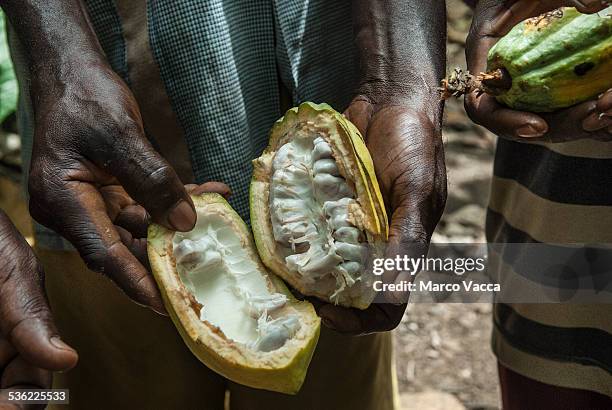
(459, 83)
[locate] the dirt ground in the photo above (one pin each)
(443, 357)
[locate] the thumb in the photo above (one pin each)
(360, 113)
(147, 177)
(25, 318)
(588, 6)
(38, 342)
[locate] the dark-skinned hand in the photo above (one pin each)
(132, 220)
(30, 346)
(492, 20)
(408, 155)
(90, 145)
(398, 112)
(92, 165)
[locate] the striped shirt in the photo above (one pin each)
(557, 194)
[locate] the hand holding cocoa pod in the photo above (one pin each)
(406, 147)
(492, 21)
(92, 166)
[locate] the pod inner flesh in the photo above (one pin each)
(217, 268)
(312, 211)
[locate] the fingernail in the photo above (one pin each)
(528, 131)
(588, 3)
(58, 343)
(591, 5)
(596, 121)
(159, 309)
(182, 217)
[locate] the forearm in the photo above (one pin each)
(401, 46)
(56, 36)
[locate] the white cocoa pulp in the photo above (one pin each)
(232, 287)
(310, 203)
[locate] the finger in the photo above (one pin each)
(25, 318)
(602, 117)
(216, 187)
(588, 6)
(505, 122)
(340, 319)
(6, 404)
(7, 352)
(360, 113)
(604, 102)
(486, 29)
(569, 122)
(597, 121)
(512, 13)
(84, 222)
(124, 211)
(37, 340)
(376, 318)
(115, 198)
(146, 176)
(20, 374)
(137, 246)
(497, 21)
(134, 219)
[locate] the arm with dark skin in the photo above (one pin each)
(30, 346)
(91, 162)
(401, 52)
(492, 20)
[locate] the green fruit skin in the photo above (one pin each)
(555, 64)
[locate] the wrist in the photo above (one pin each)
(399, 62)
(65, 69)
(57, 36)
(425, 104)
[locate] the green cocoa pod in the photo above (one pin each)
(317, 212)
(545, 63)
(236, 317)
(555, 60)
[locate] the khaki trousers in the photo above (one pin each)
(132, 358)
